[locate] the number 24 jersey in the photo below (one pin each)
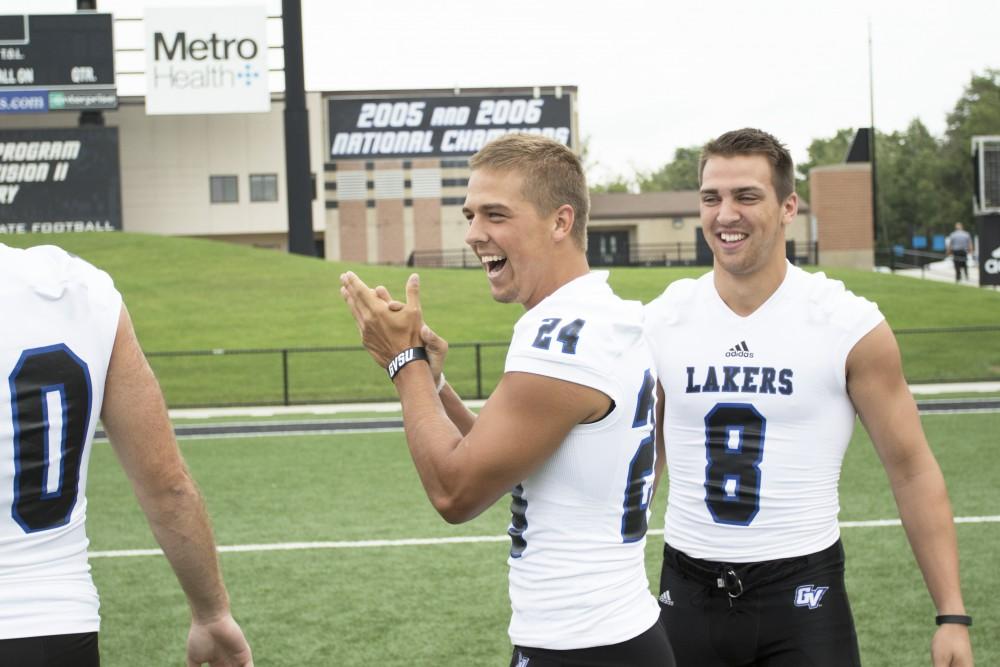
(577, 575)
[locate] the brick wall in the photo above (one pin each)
(841, 201)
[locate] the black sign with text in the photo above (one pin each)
(59, 180)
(450, 126)
(989, 249)
(56, 61)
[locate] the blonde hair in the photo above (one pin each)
(553, 175)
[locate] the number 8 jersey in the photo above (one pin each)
(757, 417)
(577, 574)
(58, 318)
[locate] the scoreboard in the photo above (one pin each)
(52, 62)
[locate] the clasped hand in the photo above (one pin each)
(387, 327)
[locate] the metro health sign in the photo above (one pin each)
(206, 60)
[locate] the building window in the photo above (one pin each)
(223, 189)
(263, 187)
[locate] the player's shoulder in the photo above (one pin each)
(829, 301)
(677, 299)
(591, 313)
(50, 271)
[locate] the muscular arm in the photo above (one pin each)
(137, 424)
(522, 424)
(525, 420)
(461, 416)
(437, 350)
(879, 392)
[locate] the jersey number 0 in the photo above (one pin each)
(47, 464)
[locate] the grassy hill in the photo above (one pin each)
(190, 294)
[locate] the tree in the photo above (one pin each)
(679, 174)
(976, 112)
(617, 183)
(832, 150)
(911, 197)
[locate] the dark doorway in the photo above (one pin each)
(607, 248)
(702, 251)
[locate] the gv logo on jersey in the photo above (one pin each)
(809, 595)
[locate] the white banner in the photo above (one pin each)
(206, 60)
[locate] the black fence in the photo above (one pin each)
(299, 376)
(649, 254)
(898, 259)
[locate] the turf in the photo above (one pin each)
(446, 605)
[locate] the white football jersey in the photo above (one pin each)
(58, 318)
(577, 576)
(757, 416)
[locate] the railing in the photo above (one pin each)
(898, 259)
(462, 258)
(298, 376)
(648, 254)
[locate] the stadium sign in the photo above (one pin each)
(442, 126)
(54, 62)
(989, 249)
(59, 180)
(206, 60)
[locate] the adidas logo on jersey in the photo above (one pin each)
(740, 350)
(809, 596)
(665, 599)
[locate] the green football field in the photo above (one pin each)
(343, 561)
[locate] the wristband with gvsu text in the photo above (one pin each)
(397, 363)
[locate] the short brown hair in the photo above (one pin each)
(750, 141)
(553, 174)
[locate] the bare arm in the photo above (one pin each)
(879, 392)
(454, 407)
(137, 424)
(661, 445)
(523, 423)
(525, 420)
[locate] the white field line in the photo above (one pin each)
(432, 541)
(395, 429)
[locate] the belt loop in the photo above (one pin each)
(730, 581)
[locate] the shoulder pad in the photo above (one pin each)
(676, 298)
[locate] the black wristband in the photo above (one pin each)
(958, 619)
(406, 356)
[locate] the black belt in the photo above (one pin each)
(737, 578)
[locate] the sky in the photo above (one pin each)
(652, 76)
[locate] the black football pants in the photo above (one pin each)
(78, 650)
(650, 649)
(791, 612)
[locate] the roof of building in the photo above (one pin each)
(677, 203)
